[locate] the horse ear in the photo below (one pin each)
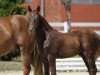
(29, 8)
(38, 8)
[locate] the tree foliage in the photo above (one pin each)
(10, 7)
(65, 2)
(7, 8)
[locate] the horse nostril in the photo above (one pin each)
(30, 31)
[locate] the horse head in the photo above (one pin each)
(34, 18)
(37, 21)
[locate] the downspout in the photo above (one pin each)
(42, 7)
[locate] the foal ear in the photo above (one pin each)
(38, 8)
(29, 8)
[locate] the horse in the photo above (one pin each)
(14, 34)
(85, 43)
(40, 42)
(98, 52)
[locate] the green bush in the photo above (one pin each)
(10, 56)
(7, 8)
(10, 7)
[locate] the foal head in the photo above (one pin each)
(35, 19)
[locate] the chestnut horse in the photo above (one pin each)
(14, 34)
(85, 43)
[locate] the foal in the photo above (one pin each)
(85, 43)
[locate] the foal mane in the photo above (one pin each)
(40, 31)
(42, 27)
(45, 24)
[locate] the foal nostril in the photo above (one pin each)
(30, 29)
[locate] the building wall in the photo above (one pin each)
(33, 4)
(85, 13)
(54, 11)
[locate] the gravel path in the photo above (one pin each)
(58, 73)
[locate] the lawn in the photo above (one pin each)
(10, 66)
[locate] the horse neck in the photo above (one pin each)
(46, 25)
(41, 36)
(40, 33)
(43, 29)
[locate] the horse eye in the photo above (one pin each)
(29, 19)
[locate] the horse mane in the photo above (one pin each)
(40, 30)
(45, 23)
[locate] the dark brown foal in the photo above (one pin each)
(85, 43)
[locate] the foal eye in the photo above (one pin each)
(28, 18)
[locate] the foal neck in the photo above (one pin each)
(46, 25)
(43, 29)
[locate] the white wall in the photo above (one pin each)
(76, 24)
